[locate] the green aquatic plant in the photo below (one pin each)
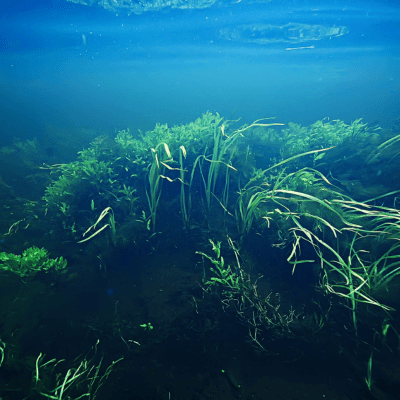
(368, 378)
(284, 192)
(209, 179)
(388, 146)
(223, 275)
(76, 182)
(96, 181)
(28, 147)
(259, 310)
(156, 177)
(32, 261)
(352, 269)
(147, 327)
(356, 244)
(324, 133)
(110, 173)
(183, 202)
(2, 351)
(379, 234)
(194, 136)
(111, 223)
(218, 166)
(83, 380)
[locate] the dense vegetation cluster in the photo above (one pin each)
(321, 198)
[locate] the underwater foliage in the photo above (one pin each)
(322, 134)
(123, 172)
(31, 262)
(259, 310)
(297, 194)
(290, 205)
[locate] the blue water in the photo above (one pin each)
(66, 67)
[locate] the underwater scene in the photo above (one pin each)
(200, 200)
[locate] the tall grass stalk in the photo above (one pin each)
(155, 178)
